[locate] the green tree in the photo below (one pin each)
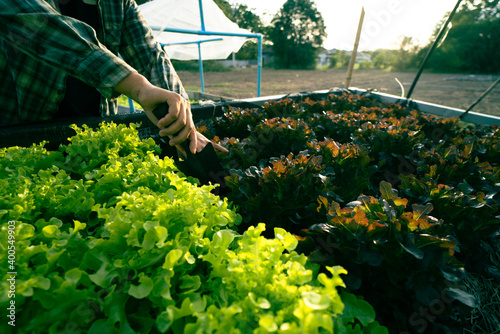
(226, 8)
(472, 44)
(246, 19)
(339, 59)
(405, 58)
(296, 32)
(380, 58)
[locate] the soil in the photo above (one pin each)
(453, 90)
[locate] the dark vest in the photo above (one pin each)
(80, 99)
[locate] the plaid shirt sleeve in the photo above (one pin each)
(69, 45)
(142, 52)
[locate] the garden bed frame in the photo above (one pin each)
(57, 132)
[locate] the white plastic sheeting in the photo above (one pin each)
(180, 15)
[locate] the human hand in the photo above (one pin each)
(197, 140)
(177, 123)
(201, 142)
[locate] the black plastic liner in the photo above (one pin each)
(57, 132)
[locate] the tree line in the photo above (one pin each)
(297, 32)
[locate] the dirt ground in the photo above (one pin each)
(453, 90)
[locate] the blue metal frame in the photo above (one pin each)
(214, 33)
(202, 17)
(200, 62)
(203, 32)
(131, 105)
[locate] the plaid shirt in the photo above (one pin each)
(39, 48)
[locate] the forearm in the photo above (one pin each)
(132, 85)
(142, 52)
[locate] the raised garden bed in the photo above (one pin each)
(405, 201)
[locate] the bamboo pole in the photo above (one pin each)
(355, 49)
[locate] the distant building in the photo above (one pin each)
(324, 58)
(362, 56)
(267, 58)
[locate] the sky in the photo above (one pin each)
(384, 23)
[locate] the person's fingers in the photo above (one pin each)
(178, 109)
(174, 129)
(220, 147)
(193, 144)
(171, 117)
(184, 119)
(202, 141)
(180, 136)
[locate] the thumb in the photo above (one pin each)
(193, 142)
(220, 147)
